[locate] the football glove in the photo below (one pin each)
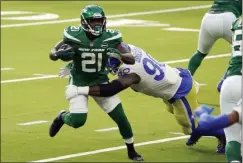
(204, 109)
(65, 71)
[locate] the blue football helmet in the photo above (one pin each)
(113, 65)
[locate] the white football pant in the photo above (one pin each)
(229, 97)
(214, 27)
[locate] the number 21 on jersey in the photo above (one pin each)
(95, 60)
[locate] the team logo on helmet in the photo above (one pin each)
(93, 20)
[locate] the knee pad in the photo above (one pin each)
(78, 120)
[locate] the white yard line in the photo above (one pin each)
(3, 69)
(208, 57)
(55, 76)
(32, 123)
(110, 149)
(109, 16)
(180, 29)
(107, 129)
(29, 79)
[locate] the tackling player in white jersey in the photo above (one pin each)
(174, 85)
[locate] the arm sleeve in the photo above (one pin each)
(111, 89)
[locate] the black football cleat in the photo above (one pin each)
(221, 144)
(56, 124)
(195, 136)
(135, 156)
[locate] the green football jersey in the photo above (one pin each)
(235, 64)
(234, 6)
(90, 57)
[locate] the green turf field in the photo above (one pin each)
(25, 45)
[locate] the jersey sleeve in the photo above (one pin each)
(113, 37)
(70, 35)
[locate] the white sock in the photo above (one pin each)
(129, 141)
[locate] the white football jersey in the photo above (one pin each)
(157, 79)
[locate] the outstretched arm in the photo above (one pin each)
(126, 55)
(115, 86)
(104, 90)
(208, 122)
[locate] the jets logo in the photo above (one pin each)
(104, 45)
(97, 15)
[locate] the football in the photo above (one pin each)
(65, 52)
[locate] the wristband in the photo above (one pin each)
(83, 90)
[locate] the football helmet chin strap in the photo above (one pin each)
(97, 29)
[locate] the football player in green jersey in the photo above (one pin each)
(216, 24)
(231, 92)
(230, 101)
(89, 46)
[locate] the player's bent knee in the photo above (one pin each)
(78, 119)
(233, 151)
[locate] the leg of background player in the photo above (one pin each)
(229, 97)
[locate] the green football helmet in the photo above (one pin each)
(93, 20)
